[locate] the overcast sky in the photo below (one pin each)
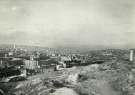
(75, 23)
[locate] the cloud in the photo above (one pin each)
(68, 22)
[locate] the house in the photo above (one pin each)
(65, 58)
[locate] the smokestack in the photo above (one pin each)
(131, 55)
(14, 46)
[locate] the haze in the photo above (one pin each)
(68, 23)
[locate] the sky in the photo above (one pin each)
(68, 23)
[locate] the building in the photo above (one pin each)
(65, 58)
(10, 53)
(31, 64)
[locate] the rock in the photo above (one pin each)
(64, 91)
(58, 83)
(72, 79)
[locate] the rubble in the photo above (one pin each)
(109, 78)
